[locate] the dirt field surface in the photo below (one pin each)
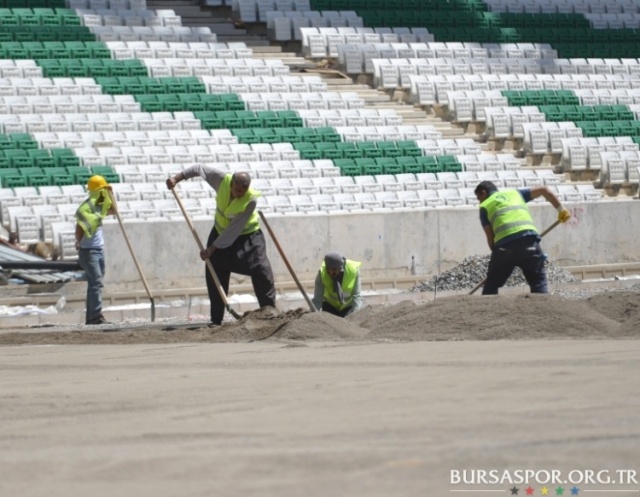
(395, 401)
(515, 317)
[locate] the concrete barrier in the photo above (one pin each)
(392, 243)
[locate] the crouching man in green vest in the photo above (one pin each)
(512, 236)
(236, 244)
(338, 287)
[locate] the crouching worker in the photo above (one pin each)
(338, 287)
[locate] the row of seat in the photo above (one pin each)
(108, 4)
(178, 154)
(127, 17)
(565, 6)
(351, 117)
(469, 106)
(285, 26)
(38, 16)
(215, 67)
(627, 20)
(297, 101)
(394, 73)
(619, 168)
(185, 50)
(546, 137)
(255, 10)
(68, 104)
(138, 164)
(151, 173)
(411, 199)
(313, 41)
(189, 137)
(390, 133)
(109, 152)
(584, 153)
(101, 122)
(337, 134)
(430, 90)
(185, 34)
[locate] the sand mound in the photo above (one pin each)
(490, 318)
(619, 306)
(321, 326)
(504, 317)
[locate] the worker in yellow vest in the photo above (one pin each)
(236, 244)
(512, 236)
(338, 288)
(90, 244)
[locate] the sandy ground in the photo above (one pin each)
(387, 403)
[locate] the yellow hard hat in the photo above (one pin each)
(96, 183)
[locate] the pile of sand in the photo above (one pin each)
(500, 317)
(490, 318)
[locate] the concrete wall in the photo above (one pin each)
(390, 244)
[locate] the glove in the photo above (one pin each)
(563, 215)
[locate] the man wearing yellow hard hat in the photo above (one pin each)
(90, 243)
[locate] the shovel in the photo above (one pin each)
(475, 288)
(133, 255)
(212, 271)
(286, 262)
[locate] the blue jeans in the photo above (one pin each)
(92, 261)
(524, 253)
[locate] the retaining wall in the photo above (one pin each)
(390, 243)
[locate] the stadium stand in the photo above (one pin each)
(522, 93)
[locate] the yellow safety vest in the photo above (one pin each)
(226, 211)
(508, 214)
(90, 213)
(348, 285)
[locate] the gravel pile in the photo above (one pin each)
(473, 270)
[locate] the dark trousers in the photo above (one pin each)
(332, 310)
(248, 256)
(524, 253)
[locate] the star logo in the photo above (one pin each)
(529, 491)
(544, 491)
(514, 490)
(575, 491)
(559, 491)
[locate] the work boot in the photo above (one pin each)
(99, 319)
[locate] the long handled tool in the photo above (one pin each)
(135, 259)
(475, 288)
(286, 262)
(212, 271)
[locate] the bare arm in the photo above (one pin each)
(488, 231)
(79, 235)
(563, 213)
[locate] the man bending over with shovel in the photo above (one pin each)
(236, 244)
(512, 236)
